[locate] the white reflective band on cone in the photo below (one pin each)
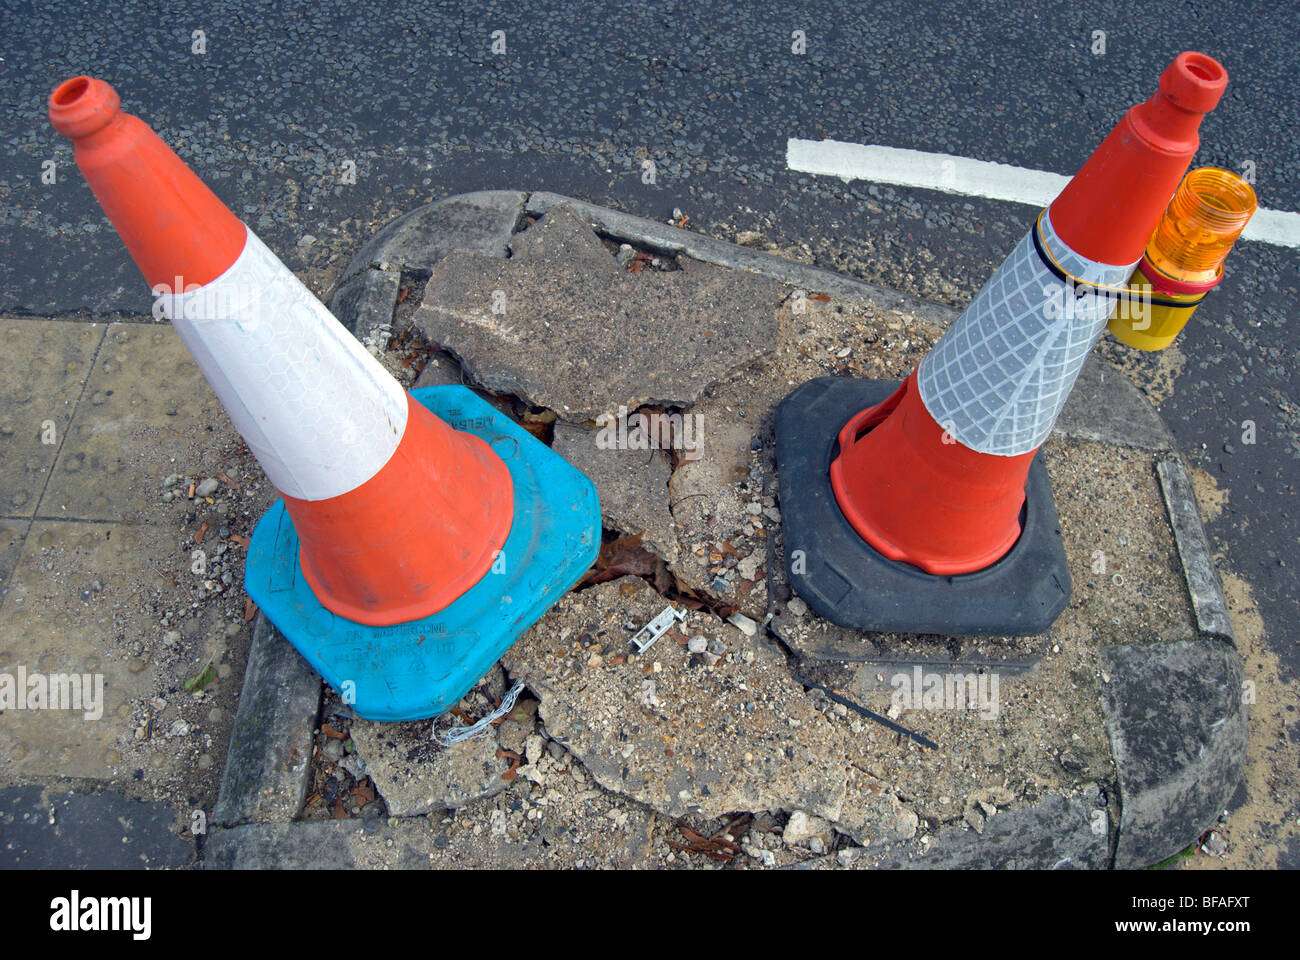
(319, 412)
(998, 378)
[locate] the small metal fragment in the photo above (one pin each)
(656, 628)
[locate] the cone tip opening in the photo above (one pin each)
(1194, 81)
(81, 105)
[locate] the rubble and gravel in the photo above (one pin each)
(711, 722)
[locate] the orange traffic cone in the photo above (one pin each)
(395, 515)
(935, 476)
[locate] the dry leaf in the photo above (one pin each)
(717, 847)
(515, 761)
(362, 794)
(622, 557)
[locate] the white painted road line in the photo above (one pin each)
(977, 178)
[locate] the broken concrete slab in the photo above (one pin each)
(1105, 405)
(660, 236)
(480, 223)
(631, 484)
(1031, 753)
(269, 761)
(684, 737)
(561, 238)
(597, 339)
(416, 775)
(63, 830)
(1178, 725)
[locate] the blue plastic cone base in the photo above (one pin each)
(843, 578)
(420, 669)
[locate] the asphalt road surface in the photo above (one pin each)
(273, 107)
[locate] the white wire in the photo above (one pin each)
(457, 734)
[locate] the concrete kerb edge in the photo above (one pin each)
(366, 295)
(378, 300)
(1202, 578)
(1178, 728)
(669, 239)
(1194, 784)
(268, 764)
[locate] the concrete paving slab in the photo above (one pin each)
(12, 534)
(127, 599)
(47, 364)
(48, 628)
(145, 401)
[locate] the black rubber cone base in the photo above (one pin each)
(844, 579)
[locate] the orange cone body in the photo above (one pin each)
(413, 538)
(940, 481)
(969, 514)
(397, 513)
